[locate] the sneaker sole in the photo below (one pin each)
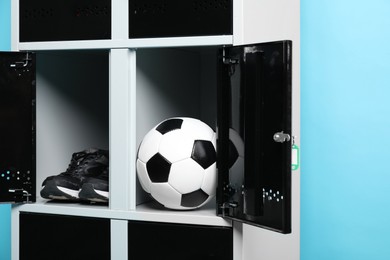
(52, 191)
(88, 192)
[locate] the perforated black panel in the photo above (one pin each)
(59, 20)
(157, 18)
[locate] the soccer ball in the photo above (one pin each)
(176, 163)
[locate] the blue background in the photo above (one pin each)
(345, 109)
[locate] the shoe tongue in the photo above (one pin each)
(80, 155)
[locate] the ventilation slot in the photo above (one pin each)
(95, 11)
(207, 6)
(149, 9)
(41, 13)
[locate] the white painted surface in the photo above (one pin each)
(120, 134)
(119, 238)
(14, 24)
(147, 211)
(265, 21)
(119, 19)
(128, 43)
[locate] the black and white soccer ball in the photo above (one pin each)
(176, 163)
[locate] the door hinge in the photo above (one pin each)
(22, 64)
(228, 60)
(228, 207)
(20, 195)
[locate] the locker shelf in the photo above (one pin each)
(151, 211)
(206, 215)
(129, 43)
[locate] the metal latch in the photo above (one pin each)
(281, 137)
(20, 195)
(21, 64)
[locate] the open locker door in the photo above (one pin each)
(17, 127)
(253, 131)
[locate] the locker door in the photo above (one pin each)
(61, 237)
(254, 128)
(64, 20)
(170, 241)
(17, 127)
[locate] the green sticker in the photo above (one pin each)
(295, 157)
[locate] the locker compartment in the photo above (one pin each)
(174, 82)
(54, 104)
(64, 20)
(47, 236)
(174, 18)
(72, 107)
(253, 109)
(149, 241)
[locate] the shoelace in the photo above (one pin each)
(78, 159)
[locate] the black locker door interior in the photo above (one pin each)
(17, 127)
(254, 128)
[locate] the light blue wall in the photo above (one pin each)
(5, 216)
(5, 232)
(345, 129)
(5, 25)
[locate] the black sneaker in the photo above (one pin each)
(83, 165)
(95, 189)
